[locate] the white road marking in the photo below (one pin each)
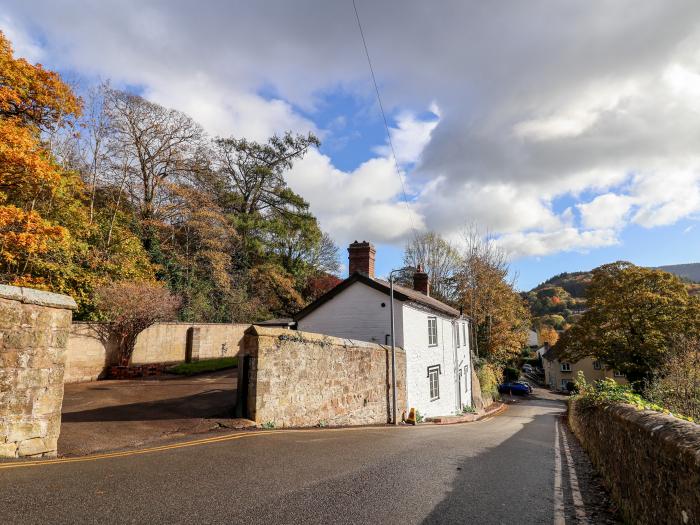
(580, 508)
(558, 492)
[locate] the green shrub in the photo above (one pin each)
(466, 409)
(511, 374)
(608, 391)
(489, 378)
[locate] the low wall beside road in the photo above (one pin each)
(87, 356)
(650, 461)
(299, 379)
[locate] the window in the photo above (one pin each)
(596, 365)
(466, 374)
(566, 367)
(432, 331)
(456, 331)
(434, 382)
(464, 333)
(564, 383)
(617, 373)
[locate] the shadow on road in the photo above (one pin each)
(210, 404)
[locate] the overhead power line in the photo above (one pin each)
(386, 123)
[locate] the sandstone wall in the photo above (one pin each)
(34, 329)
(650, 461)
(87, 355)
(301, 379)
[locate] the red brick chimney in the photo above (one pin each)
(361, 258)
(420, 281)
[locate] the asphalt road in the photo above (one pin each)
(498, 470)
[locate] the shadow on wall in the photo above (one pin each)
(88, 355)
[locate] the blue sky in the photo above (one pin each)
(572, 142)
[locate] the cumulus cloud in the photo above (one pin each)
(537, 101)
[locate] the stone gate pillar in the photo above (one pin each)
(34, 327)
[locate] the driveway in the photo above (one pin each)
(108, 415)
(520, 467)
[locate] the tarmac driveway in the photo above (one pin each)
(109, 415)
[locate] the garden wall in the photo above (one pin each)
(34, 329)
(302, 379)
(87, 356)
(650, 461)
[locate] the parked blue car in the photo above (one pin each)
(517, 389)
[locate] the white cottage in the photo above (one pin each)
(433, 334)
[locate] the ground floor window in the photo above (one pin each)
(466, 374)
(434, 382)
(564, 384)
(596, 365)
(617, 373)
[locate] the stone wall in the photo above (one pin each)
(34, 329)
(650, 461)
(87, 356)
(299, 379)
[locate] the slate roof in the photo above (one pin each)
(400, 292)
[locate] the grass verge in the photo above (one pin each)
(207, 365)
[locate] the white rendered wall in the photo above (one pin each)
(419, 356)
(356, 313)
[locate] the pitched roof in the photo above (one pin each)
(400, 292)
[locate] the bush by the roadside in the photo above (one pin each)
(608, 391)
(489, 378)
(207, 365)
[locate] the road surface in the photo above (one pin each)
(506, 469)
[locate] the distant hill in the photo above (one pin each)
(560, 300)
(690, 272)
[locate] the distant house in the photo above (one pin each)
(433, 334)
(533, 341)
(559, 374)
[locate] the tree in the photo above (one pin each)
(439, 259)
(548, 335)
(499, 315)
(158, 144)
(129, 308)
(32, 100)
(252, 175)
(633, 316)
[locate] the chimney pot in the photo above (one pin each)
(361, 257)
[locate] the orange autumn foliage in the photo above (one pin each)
(32, 100)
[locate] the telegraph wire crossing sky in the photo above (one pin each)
(567, 130)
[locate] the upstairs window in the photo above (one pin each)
(432, 331)
(464, 333)
(596, 365)
(456, 330)
(434, 382)
(566, 367)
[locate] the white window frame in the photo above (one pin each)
(434, 382)
(566, 367)
(457, 334)
(617, 373)
(596, 365)
(466, 374)
(464, 333)
(432, 338)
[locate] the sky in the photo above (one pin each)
(570, 131)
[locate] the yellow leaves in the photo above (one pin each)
(35, 96)
(23, 234)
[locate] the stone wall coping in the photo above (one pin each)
(682, 434)
(314, 338)
(177, 323)
(37, 297)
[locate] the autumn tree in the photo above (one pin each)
(32, 100)
(439, 259)
(633, 316)
(128, 308)
(547, 335)
(499, 315)
(158, 145)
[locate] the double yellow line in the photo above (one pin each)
(95, 457)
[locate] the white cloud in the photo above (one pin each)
(541, 111)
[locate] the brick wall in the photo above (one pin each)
(301, 379)
(34, 328)
(650, 461)
(87, 356)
